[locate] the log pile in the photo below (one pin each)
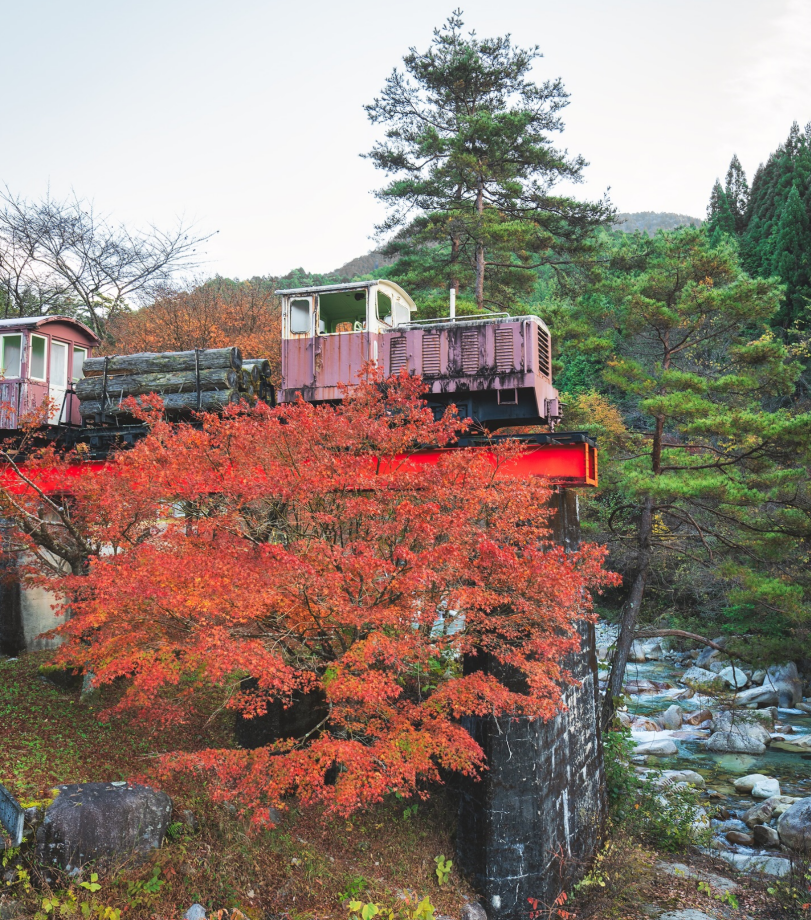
(205, 380)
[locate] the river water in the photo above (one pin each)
(791, 768)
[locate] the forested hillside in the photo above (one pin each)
(771, 221)
(651, 221)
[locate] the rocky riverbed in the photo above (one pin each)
(744, 735)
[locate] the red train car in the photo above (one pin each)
(42, 356)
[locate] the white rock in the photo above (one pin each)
(768, 865)
(672, 717)
(747, 783)
(196, 912)
(685, 776)
(701, 679)
(735, 743)
(734, 678)
(759, 676)
(660, 748)
(765, 789)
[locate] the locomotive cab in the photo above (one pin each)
(330, 332)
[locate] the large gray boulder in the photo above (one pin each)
(785, 679)
(672, 717)
(740, 723)
(710, 654)
(765, 695)
(661, 748)
(735, 743)
(734, 678)
(794, 826)
(727, 719)
(104, 823)
(701, 679)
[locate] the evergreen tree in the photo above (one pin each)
(736, 189)
(679, 343)
(791, 260)
(472, 166)
(720, 218)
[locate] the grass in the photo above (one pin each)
(304, 868)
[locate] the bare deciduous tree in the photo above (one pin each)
(62, 257)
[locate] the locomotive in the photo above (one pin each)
(496, 368)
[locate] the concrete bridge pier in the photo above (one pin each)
(529, 826)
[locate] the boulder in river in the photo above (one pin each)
(708, 654)
(747, 783)
(766, 788)
(646, 650)
(765, 836)
(794, 826)
(739, 838)
(644, 724)
(684, 776)
(757, 696)
(661, 748)
(785, 679)
(757, 862)
(741, 723)
(696, 718)
(735, 743)
(672, 717)
(102, 823)
(701, 679)
(734, 678)
(761, 813)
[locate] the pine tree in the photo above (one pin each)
(468, 148)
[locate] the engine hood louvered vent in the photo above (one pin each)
(430, 356)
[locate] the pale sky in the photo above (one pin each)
(247, 117)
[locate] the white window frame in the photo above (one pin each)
(9, 335)
(31, 358)
(73, 361)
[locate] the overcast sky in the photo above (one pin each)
(246, 117)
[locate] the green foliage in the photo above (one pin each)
(622, 783)
(772, 223)
(467, 147)
(409, 909)
(443, 868)
(353, 888)
(793, 890)
(691, 391)
(725, 897)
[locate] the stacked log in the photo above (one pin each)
(258, 369)
(207, 380)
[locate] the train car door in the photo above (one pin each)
(58, 380)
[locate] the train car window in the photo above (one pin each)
(401, 313)
(10, 358)
(384, 308)
(343, 311)
(300, 316)
(79, 358)
(39, 348)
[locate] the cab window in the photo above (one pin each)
(343, 311)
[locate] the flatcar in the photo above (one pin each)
(495, 367)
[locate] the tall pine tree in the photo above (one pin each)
(467, 146)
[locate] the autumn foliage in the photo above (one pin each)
(217, 314)
(300, 546)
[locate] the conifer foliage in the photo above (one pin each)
(772, 222)
(468, 148)
(303, 547)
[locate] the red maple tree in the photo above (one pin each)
(301, 546)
